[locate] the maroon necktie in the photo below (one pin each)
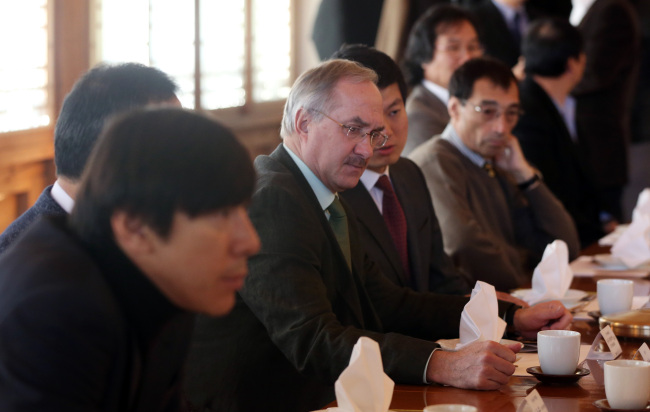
(395, 220)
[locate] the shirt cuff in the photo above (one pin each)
(426, 368)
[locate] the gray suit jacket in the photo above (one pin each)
(427, 115)
(302, 310)
(431, 269)
(491, 229)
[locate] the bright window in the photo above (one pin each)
(24, 79)
(244, 46)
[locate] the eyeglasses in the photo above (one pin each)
(455, 49)
(491, 111)
(377, 139)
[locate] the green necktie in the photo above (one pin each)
(339, 222)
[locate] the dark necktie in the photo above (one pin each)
(515, 30)
(395, 220)
(489, 168)
(339, 223)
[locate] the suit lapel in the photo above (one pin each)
(412, 211)
(568, 147)
(346, 281)
(374, 222)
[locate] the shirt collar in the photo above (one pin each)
(568, 113)
(452, 137)
(61, 197)
(508, 12)
(369, 178)
(323, 194)
(439, 91)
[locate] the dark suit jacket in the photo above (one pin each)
(427, 116)
(604, 96)
(547, 144)
(302, 310)
(494, 33)
(431, 269)
(558, 8)
(82, 329)
(45, 205)
(344, 21)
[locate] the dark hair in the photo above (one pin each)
(462, 81)
(548, 45)
(385, 67)
(103, 91)
(151, 163)
(421, 43)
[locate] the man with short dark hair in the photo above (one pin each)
(94, 307)
(547, 132)
(496, 214)
(312, 292)
(101, 93)
(410, 253)
(440, 41)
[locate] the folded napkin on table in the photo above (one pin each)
(552, 276)
(642, 207)
(363, 386)
(633, 247)
(480, 318)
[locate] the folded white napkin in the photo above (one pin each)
(553, 275)
(363, 386)
(633, 247)
(642, 207)
(480, 318)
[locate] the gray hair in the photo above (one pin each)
(313, 89)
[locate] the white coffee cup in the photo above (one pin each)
(615, 295)
(558, 351)
(627, 384)
(448, 407)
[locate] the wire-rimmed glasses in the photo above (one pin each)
(377, 138)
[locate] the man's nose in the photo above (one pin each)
(500, 124)
(364, 147)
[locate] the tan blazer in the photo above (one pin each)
(427, 115)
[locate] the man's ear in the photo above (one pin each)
(131, 234)
(453, 107)
(303, 120)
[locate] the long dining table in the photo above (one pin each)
(579, 396)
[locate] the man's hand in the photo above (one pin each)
(481, 365)
(512, 160)
(543, 316)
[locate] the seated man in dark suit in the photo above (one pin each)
(100, 93)
(312, 291)
(547, 131)
(94, 307)
(397, 223)
(410, 253)
(497, 215)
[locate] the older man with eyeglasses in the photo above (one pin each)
(496, 214)
(312, 291)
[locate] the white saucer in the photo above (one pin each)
(450, 344)
(570, 299)
(609, 262)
